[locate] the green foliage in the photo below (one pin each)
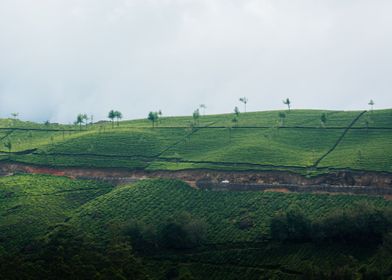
(66, 255)
(30, 204)
(361, 225)
(282, 117)
(288, 103)
(292, 225)
(236, 112)
(153, 118)
(154, 202)
(217, 142)
(323, 119)
(183, 232)
(196, 116)
(8, 145)
(80, 119)
(142, 236)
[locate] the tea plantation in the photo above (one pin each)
(232, 229)
(355, 140)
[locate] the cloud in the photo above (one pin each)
(59, 58)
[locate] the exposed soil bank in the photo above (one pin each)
(338, 178)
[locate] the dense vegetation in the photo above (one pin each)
(95, 231)
(303, 141)
(31, 204)
(57, 227)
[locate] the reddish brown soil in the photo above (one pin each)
(118, 176)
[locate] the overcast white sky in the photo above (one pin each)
(62, 57)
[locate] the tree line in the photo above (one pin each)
(362, 225)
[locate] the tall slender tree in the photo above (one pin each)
(245, 101)
(288, 103)
(203, 107)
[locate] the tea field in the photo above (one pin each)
(355, 140)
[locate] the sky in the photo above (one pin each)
(59, 58)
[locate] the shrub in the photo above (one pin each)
(183, 232)
(292, 225)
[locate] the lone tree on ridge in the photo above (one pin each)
(118, 115)
(112, 116)
(79, 120)
(244, 100)
(288, 103)
(203, 107)
(153, 117)
(371, 104)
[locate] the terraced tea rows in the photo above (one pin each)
(259, 141)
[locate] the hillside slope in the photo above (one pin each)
(32, 204)
(258, 141)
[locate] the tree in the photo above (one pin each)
(292, 225)
(79, 120)
(112, 116)
(15, 115)
(153, 117)
(236, 111)
(183, 232)
(118, 116)
(323, 119)
(371, 104)
(196, 116)
(282, 117)
(244, 100)
(203, 107)
(288, 103)
(85, 119)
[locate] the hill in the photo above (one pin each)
(298, 142)
(71, 228)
